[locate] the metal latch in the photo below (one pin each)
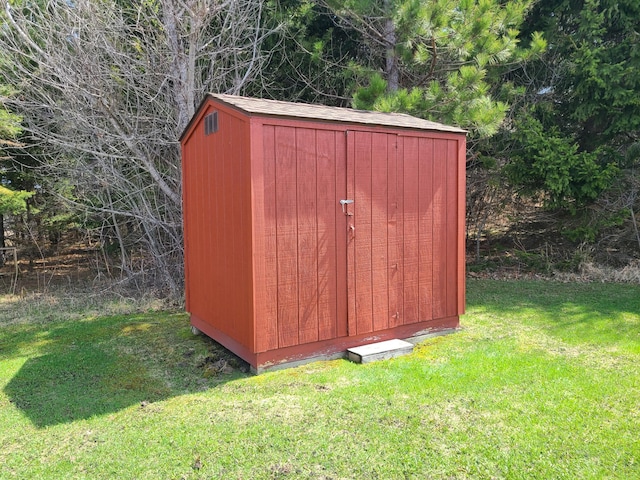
(343, 203)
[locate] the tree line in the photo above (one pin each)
(94, 95)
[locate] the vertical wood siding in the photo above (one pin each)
(410, 190)
(304, 180)
(395, 152)
(439, 246)
(218, 229)
(270, 307)
(426, 227)
(273, 262)
(380, 147)
(404, 257)
(363, 212)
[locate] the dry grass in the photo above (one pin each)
(591, 272)
(60, 304)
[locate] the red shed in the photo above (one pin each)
(311, 229)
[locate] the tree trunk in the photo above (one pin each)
(2, 240)
(635, 225)
(391, 58)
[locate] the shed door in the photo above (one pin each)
(373, 249)
(305, 268)
(386, 260)
(401, 241)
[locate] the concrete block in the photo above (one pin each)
(379, 351)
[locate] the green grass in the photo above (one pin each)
(543, 382)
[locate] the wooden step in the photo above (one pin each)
(379, 351)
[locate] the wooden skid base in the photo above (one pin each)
(324, 350)
(379, 351)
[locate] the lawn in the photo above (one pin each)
(542, 382)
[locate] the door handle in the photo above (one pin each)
(344, 203)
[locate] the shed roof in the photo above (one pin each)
(337, 114)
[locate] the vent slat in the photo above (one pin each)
(211, 123)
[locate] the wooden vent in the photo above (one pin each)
(211, 123)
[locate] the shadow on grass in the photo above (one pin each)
(80, 369)
(67, 386)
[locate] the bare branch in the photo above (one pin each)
(106, 89)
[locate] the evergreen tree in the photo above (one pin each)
(11, 201)
(569, 144)
(441, 59)
(309, 56)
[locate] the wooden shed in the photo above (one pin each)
(311, 229)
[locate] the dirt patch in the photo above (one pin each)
(219, 361)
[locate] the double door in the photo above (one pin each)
(361, 232)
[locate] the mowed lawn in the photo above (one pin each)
(542, 382)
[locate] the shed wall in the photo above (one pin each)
(320, 280)
(275, 269)
(217, 226)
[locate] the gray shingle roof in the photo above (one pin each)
(336, 114)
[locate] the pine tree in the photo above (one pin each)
(440, 59)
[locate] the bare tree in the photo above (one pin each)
(107, 87)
